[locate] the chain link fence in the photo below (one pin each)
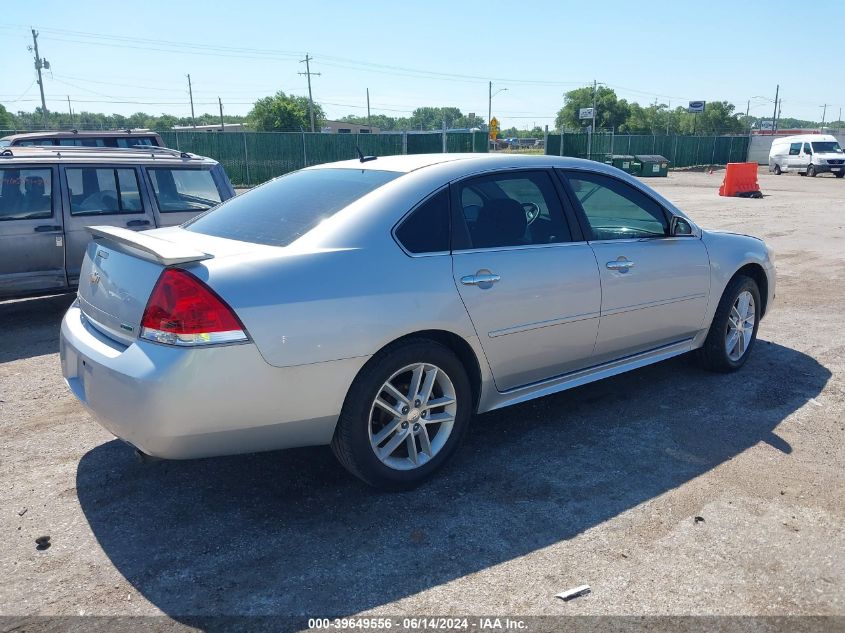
(682, 151)
(251, 158)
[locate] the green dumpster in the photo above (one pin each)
(626, 163)
(653, 165)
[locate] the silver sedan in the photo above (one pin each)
(375, 305)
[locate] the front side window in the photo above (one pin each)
(794, 149)
(615, 210)
(283, 210)
(509, 209)
(26, 194)
(179, 189)
(106, 191)
(426, 230)
(807, 149)
(827, 147)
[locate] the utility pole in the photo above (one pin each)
(747, 112)
(222, 125)
(592, 125)
(775, 113)
(489, 103)
(191, 95)
(70, 110)
(839, 122)
(39, 64)
(308, 73)
(369, 124)
(780, 109)
(824, 116)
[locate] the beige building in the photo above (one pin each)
(345, 127)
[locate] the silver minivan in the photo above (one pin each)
(49, 195)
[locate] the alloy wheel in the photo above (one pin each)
(740, 326)
(412, 416)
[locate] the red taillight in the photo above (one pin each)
(182, 310)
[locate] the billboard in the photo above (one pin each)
(585, 113)
(696, 106)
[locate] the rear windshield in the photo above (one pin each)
(285, 209)
(821, 147)
(179, 189)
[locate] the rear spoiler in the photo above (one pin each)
(151, 247)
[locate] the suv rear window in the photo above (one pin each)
(179, 189)
(285, 209)
(26, 194)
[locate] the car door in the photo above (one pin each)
(793, 160)
(180, 193)
(654, 287)
(806, 156)
(96, 195)
(32, 244)
(529, 282)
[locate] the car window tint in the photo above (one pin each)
(26, 194)
(511, 209)
(184, 189)
(615, 210)
(426, 230)
(283, 210)
(103, 191)
(794, 149)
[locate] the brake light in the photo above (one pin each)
(182, 310)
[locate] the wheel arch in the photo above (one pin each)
(457, 344)
(758, 274)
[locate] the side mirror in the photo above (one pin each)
(680, 227)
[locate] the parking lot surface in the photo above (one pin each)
(600, 485)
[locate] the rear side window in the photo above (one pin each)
(285, 209)
(179, 189)
(26, 194)
(103, 191)
(132, 141)
(426, 230)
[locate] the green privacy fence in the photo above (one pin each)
(251, 158)
(682, 151)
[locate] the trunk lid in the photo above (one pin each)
(118, 274)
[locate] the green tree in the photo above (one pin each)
(611, 112)
(718, 118)
(283, 113)
(7, 121)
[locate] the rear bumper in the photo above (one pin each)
(178, 403)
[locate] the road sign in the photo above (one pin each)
(696, 106)
(494, 128)
(767, 124)
(585, 113)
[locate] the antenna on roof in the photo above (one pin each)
(362, 158)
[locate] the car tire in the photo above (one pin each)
(717, 353)
(776, 170)
(811, 171)
(839, 174)
(356, 439)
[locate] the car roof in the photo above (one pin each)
(78, 134)
(131, 155)
(464, 163)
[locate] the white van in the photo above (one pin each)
(808, 154)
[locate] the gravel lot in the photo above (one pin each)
(599, 485)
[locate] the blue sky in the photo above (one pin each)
(129, 56)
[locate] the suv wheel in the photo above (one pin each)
(811, 171)
(404, 415)
(776, 170)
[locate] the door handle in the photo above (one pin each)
(47, 228)
(622, 265)
(138, 223)
(479, 279)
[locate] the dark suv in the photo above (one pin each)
(75, 138)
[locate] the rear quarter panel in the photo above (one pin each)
(334, 304)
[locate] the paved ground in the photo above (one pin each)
(599, 485)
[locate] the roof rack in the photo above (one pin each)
(73, 149)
